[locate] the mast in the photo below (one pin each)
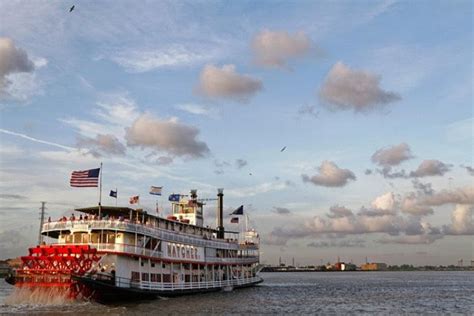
(100, 190)
(40, 237)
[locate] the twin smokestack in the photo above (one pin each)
(220, 210)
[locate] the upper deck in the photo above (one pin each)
(139, 222)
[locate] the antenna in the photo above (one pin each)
(40, 237)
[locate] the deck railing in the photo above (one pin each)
(157, 232)
(167, 286)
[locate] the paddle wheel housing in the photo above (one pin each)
(53, 266)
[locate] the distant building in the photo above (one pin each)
(373, 266)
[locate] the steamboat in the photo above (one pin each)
(110, 253)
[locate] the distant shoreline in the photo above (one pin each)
(268, 270)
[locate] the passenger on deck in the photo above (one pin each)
(80, 217)
(49, 219)
(73, 218)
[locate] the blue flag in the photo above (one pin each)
(113, 193)
(174, 197)
(238, 211)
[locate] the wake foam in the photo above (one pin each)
(39, 296)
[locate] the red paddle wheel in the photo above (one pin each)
(53, 266)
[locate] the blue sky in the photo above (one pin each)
(174, 93)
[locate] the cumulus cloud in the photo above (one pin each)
(276, 48)
(349, 89)
(430, 168)
(384, 202)
(337, 211)
(412, 205)
(240, 163)
(171, 136)
(463, 195)
(392, 156)
(12, 60)
(102, 144)
(462, 223)
(281, 210)
(225, 82)
(330, 175)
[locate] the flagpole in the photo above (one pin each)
(116, 196)
(100, 190)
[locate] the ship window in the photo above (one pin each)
(145, 276)
(135, 276)
(152, 264)
(142, 263)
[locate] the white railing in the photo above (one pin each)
(136, 250)
(162, 234)
(167, 286)
(237, 260)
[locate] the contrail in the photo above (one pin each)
(36, 140)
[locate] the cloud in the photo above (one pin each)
(431, 168)
(462, 223)
(171, 136)
(225, 82)
(102, 144)
(357, 90)
(384, 202)
(308, 110)
(12, 60)
(330, 175)
(12, 197)
(356, 243)
(198, 109)
(36, 140)
(281, 210)
(463, 195)
(422, 188)
(143, 60)
(276, 48)
(337, 211)
(424, 239)
(240, 163)
(392, 156)
(412, 205)
(164, 160)
(469, 169)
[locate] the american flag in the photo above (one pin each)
(85, 178)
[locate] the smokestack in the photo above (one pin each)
(194, 194)
(220, 210)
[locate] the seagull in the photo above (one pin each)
(72, 8)
(283, 149)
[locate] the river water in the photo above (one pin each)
(297, 293)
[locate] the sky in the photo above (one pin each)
(345, 128)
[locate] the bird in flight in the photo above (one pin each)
(72, 8)
(283, 149)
